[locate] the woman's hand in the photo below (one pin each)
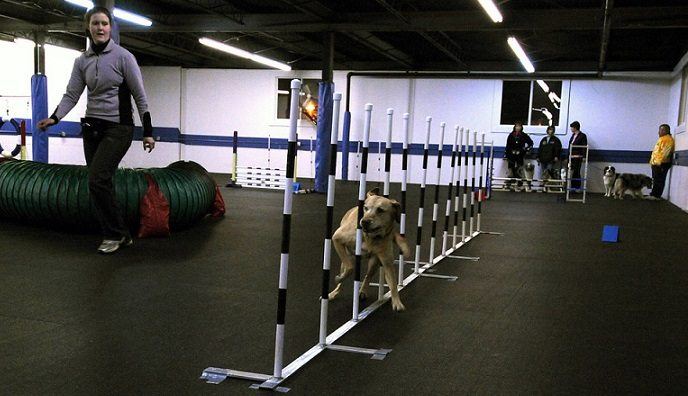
(148, 144)
(44, 123)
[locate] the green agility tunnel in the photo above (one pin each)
(58, 194)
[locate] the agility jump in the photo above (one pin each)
(324, 341)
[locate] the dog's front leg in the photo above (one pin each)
(372, 269)
(391, 278)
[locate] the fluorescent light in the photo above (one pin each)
(131, 17)
(491, 10)
(243, 54)
(81, 3)
(118, 13)
(516, 47)
(543, 85)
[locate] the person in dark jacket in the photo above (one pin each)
(549, 153)
(111, 76)
(578, 138)
(518, 144)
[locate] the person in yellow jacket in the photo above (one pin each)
(660, 161)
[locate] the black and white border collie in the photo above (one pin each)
(609, 179)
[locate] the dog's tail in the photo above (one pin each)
(403, 245)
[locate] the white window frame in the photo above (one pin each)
(561, 129)
(284, 122)
(682, 119)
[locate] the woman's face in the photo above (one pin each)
(550, 132)
(518, 128)
(99, 26)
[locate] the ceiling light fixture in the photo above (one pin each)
(518, 50)
(243, 53)
(118, 13)
(543, 85)
(491, 10)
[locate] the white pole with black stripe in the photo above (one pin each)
(385, 191)
(465, 187)
(419, 234)
(361, 200)
(450, 186)
(480, 182)
(457, 197)
(404, 180)
(475, 141)
(286, 229)
(327, 252)
(436, 201)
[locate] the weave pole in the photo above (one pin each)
(385, 193)
(450, 186)
(404, 180)
(480, 183)
(465, 187)
(490, 171)
(286, 230)
(22, 140)
(470, 228)
(327, 252)
(457, 199)
(235, 161)
(361, 199)
(436, 201)
(419, 235)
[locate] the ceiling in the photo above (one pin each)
(419, 35)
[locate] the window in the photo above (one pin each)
(682, 105)
(308, 99)
(531, 102)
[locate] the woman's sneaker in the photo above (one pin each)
(109, 246)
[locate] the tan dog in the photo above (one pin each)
(379, 239)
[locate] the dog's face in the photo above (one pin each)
(379, 214)
(609, 171)
(529, 167)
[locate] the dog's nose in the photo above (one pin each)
(365, 223)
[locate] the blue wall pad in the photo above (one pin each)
(610, 233)
(324, 128)
(39, 111)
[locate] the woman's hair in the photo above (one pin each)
(96, 10)
(517, 124)
(552, 128)
(666, 127)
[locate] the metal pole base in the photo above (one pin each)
(215, 375)
(449, 278)
(375, 354)
(465, 258)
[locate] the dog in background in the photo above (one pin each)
(609, 177)
(379, 241)
(527, 172)
(631, 182)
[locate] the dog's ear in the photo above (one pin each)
(374, 191)
(396, 209)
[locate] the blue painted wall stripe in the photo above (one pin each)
(72, 129)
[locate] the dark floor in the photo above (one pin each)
(548, 309)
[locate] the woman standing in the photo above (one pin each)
(112, 76)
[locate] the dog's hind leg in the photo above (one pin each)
(346, 266)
